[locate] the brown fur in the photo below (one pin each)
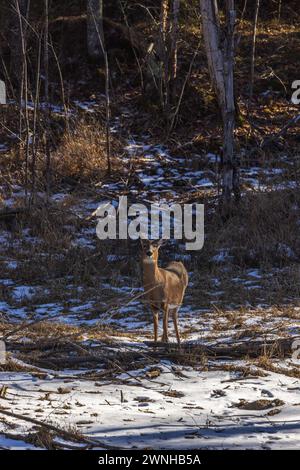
(164, 288)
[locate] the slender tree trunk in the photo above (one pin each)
(254, 31)
(174, 41)
(19, 16)
(20, 10)
(108, 114)
(163, 62)
(230, 170)
(35, 122)
(95, 32)
(164, 53)
(279, 10)
(95, 28)
(238, 39)
(2, 92)
(46, 50)
(220, 56)
(46, 91)
(244, 9)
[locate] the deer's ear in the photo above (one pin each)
(160, 243)
(143, 243)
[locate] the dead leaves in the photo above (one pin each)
(63, 390)
(173, 394)
(256, 405)
(153, 373)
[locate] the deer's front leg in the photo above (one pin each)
(165, 336)
(155, 324)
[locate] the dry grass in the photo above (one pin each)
(262, 234)
(42, 438)
(78, 155)
(265, 363)
(82, 153)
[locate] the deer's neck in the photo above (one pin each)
(150, 271)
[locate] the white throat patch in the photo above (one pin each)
(148, 260)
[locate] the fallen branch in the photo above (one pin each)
(280, 347)
(292, 122)
(65, 434)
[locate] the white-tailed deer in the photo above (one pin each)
(164, 288)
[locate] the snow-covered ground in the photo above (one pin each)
(236, 404)
(183, 408)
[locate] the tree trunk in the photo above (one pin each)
(279, 10)
(162, 57)
(164, 54)
(253, 47)
(19, 15)
(174, 40)
(230, 171)
(19, 66)
(212, 40)
(220, 57)
(2, 92)
(95, 35)
(97, 50)
(47, 116)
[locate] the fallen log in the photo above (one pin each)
(8, 216)
(67, 361)
(8, 212)
(281, 347)
(72, 354)
(72, 436)
(292, 122)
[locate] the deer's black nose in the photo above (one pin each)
(149, 253)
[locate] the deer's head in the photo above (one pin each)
(150, 250)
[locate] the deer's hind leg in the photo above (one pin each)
(165, 336)
(174, 314)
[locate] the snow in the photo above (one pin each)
(222, 256)
(184, 407)
(22, 292)
(3, 148)
(87, 106)
(213, 158)
(204, 415)
(14, 444)
(254, 273)
(12, 264)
